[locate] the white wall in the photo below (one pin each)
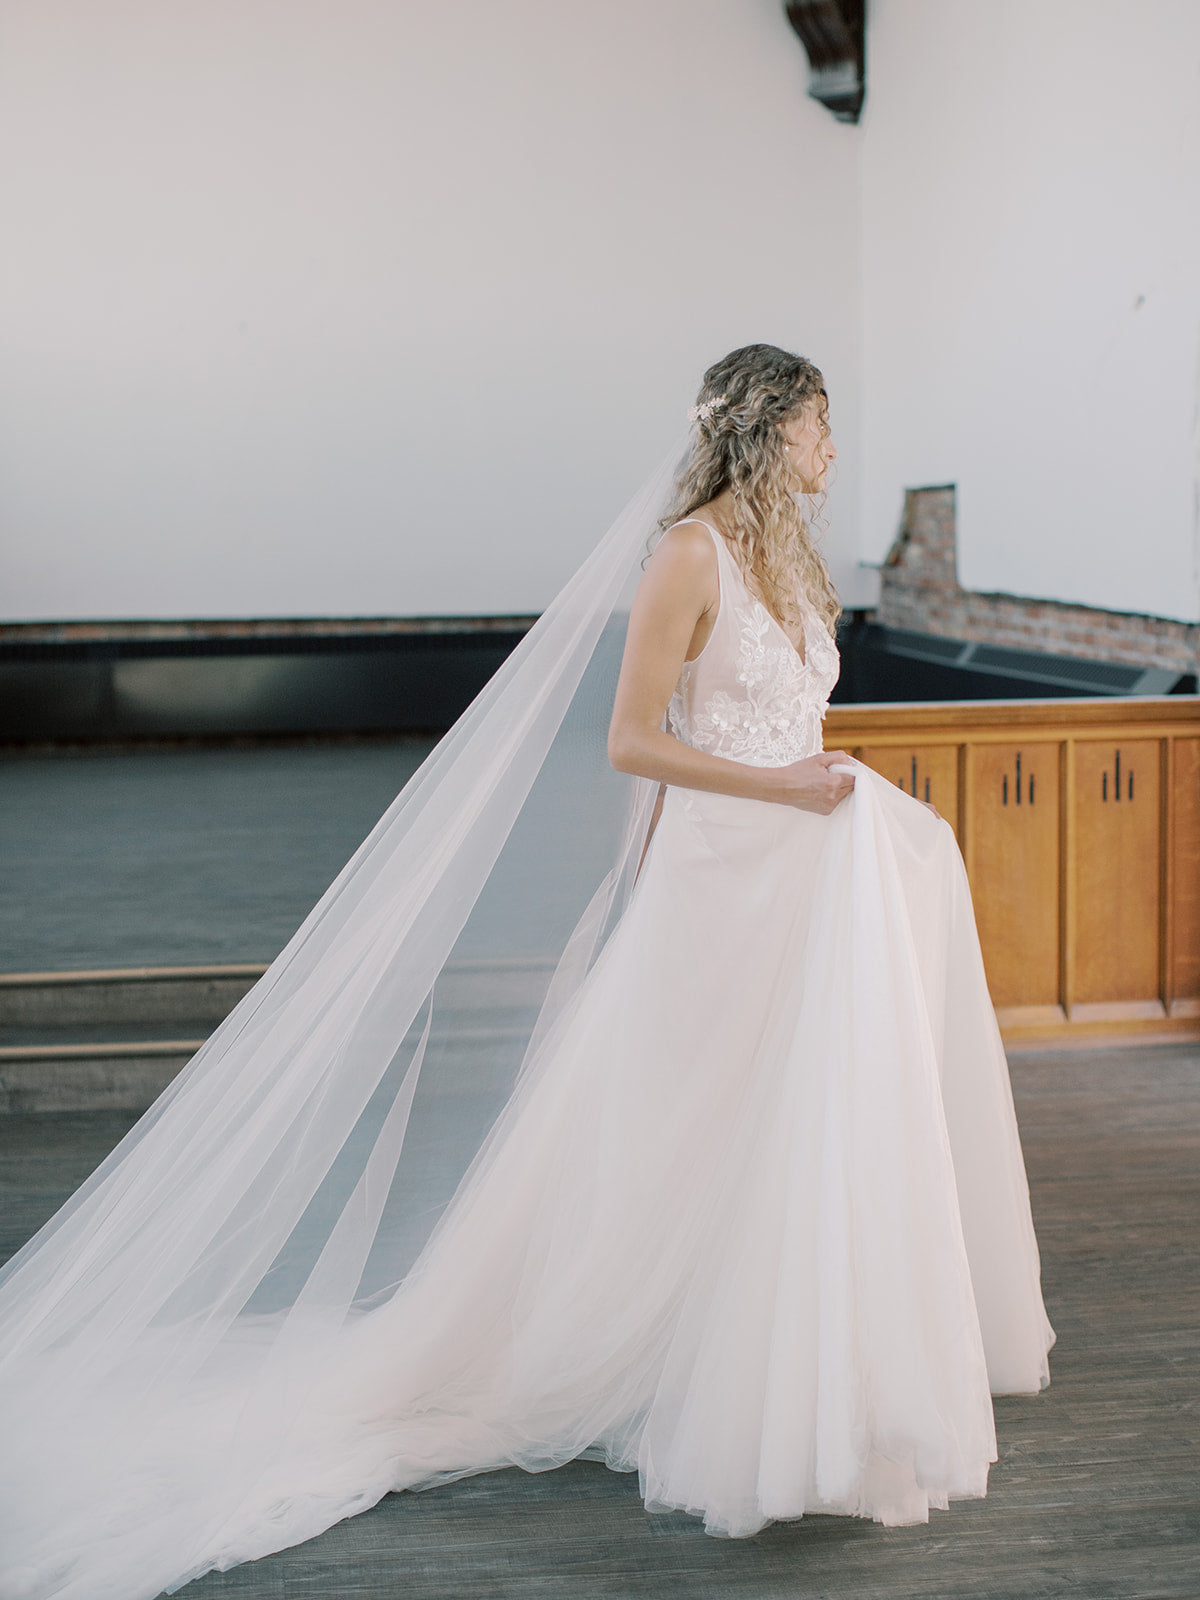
(1031, 283)
(382, 307)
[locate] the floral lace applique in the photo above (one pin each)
(778, 717)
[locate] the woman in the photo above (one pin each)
(751, 1219)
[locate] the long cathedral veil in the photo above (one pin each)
(294, 1170)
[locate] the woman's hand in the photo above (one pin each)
(812, 784)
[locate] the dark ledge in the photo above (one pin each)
(140, 631)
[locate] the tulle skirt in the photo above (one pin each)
(754, 1224)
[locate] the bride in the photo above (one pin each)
(704, 1165)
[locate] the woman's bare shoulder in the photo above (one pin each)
(683, 568)
(688, 545)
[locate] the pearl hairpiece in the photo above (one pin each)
(703, 412)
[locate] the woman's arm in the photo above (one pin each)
(678, 589)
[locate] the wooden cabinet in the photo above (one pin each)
(1014, 862)
(1079, 821)
(1183, 877)
(1118, 870)
(930, 772)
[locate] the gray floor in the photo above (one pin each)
(180, 857)
(1097, 1492)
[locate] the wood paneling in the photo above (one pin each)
(1015, 868)
(1185, 873)
(1117, 871)
(928, 771)
(1084, 863)
(892, 722)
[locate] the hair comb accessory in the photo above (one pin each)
(702, 413)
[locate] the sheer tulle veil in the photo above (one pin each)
(293, 1172)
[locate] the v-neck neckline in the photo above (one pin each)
(753, 598)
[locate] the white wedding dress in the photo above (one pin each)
(754, 1221)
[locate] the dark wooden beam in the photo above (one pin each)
(832, 33)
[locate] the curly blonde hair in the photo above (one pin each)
(740, 446)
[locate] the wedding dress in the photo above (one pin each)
(752, 1219)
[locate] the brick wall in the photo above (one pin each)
(920, 590)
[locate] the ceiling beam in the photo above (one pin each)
(832, 33)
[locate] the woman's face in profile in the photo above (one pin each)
(809, 446)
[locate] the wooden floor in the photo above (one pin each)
(1097, 1491)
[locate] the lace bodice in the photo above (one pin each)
(748, 695)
